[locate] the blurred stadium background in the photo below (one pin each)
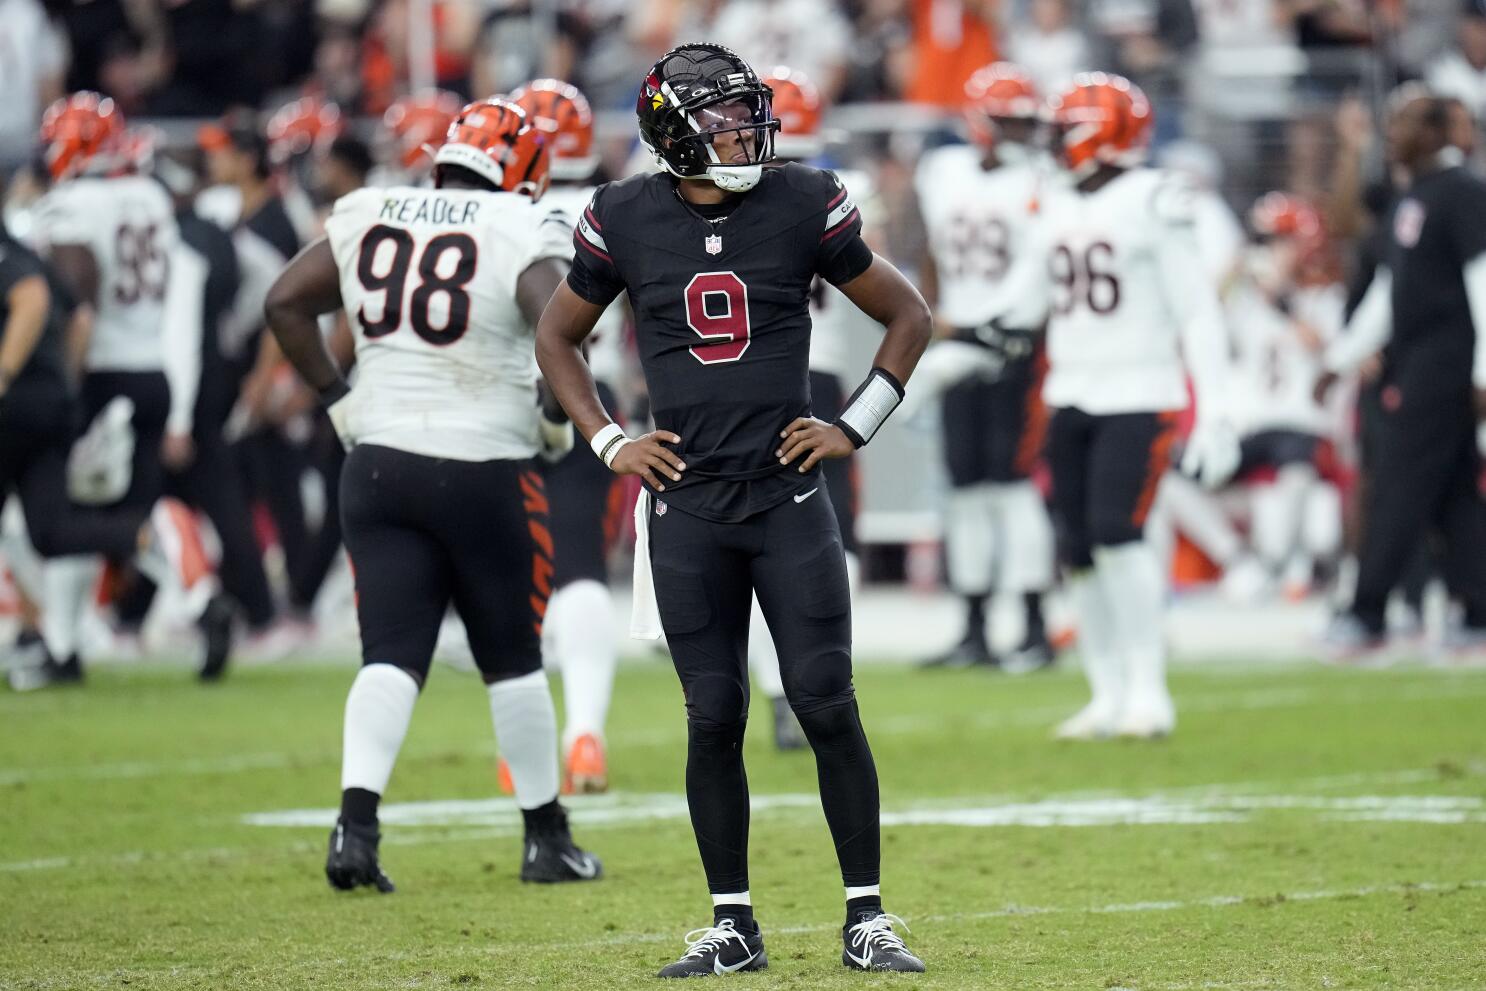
(133, 854)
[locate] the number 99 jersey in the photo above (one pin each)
(128, 226)
(1113, 331)
(445, 365)
(976, 220)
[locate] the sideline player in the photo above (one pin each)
(1129, 306)
(110, 235)
(718, 255)
(440, 499)
(578, 633)
(978, 203)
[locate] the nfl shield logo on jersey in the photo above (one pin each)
(660, 508)
(714, 244)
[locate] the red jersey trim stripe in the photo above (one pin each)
(583, 243)
(842, 226)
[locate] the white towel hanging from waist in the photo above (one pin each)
(644, 619)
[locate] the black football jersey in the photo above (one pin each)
(47, 362)
(722, 318)
(1436, 228)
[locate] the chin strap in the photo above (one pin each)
(735, 178)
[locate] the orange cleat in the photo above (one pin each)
(588, 769)
(503, 777)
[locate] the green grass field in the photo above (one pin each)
(1305, 828)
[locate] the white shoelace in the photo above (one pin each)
(877, 933)
(700, 941)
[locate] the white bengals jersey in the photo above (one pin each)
(1114, 316)
(445, 365)
(1278, 355)
(128, 225)
(832, 315)
(977, 221)
(606, 342)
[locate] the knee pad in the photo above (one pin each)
(716, 703)
(819, 682)
(837, 721)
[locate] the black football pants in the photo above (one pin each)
(705, 576)
(36, 432)
(1425, 476)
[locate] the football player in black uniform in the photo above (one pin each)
(717, 255)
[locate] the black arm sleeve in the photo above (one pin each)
(842, 255)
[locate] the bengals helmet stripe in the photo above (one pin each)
(495, 140)
(999, 91)
(797, 105)
(561, 112)
(415, 125)
(1102, 120)
(77, 131)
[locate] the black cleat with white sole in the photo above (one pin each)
(720, 949)
(352, 861)
(870, 944)
(549, 855)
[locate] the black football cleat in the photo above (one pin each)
(216, 633)
(719, 949)
(549, 855)
(47, 673)
(1034, 654)
(352, 862)
(968, 653)
(870, 944)
(787, 732)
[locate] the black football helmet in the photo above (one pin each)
(701, 102)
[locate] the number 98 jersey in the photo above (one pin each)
(445, 365)
(128, 226)
(1113, 331)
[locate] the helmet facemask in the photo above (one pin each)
(709, 119)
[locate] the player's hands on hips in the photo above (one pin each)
(815, 438)
(647, 457)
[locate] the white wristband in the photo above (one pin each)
(607, 442)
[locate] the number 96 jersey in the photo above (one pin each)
(1113, 324)
(445, 365)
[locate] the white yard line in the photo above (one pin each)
(1116, 908)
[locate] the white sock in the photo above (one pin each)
(763, 658)
(1135, 591)
(865, 891)
(20, 557)
(969, 540)
(579, 628)
(1279, 509)
(67, 581)
(738, 898)
(378, 710)
(526, 733)
(1097, 646)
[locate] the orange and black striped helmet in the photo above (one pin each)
(415, 126)
(495, 140)
(999, 91)
(78, 130)
(561, 112)
(303, 125)
(1101, 119)
(797, 105)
